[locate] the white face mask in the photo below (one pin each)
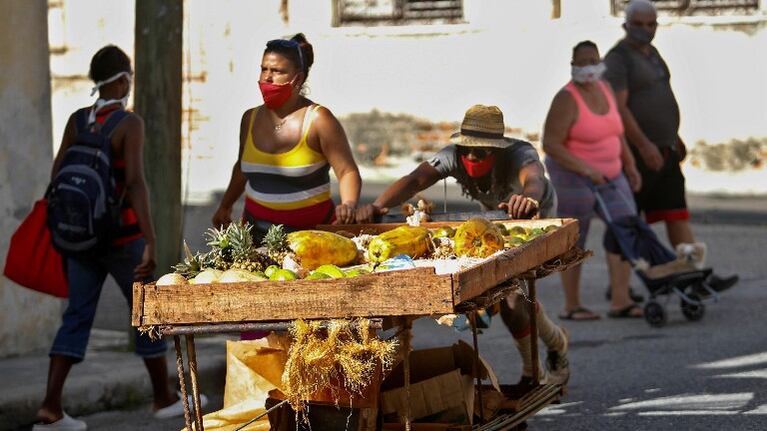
(590, 73)
(100, 103)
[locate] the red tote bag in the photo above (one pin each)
(32, 261)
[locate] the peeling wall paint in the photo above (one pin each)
(27, 319)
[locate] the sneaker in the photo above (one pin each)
(66, 423)
(721, 284)
(177, 409)
(635, 296)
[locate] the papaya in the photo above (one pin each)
(315, 248)
(410, 240)
(478, 237)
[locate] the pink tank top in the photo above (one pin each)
(594, 138)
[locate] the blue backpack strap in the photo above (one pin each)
(112, 122)
(81, 119)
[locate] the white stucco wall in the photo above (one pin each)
(508, 52)
(27, 319)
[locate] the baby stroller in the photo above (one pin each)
(632, 238)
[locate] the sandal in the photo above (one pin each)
(578, 314)
(626, 312)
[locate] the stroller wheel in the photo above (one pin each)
(654, 314)
(693, 311)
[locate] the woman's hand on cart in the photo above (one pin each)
(345, 213)
(369, 213)
(520, 207)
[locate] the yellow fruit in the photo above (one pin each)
(283, 275)
(171, 279)
(410, 240)
(239, 276)
(314, 248)
(207, 276)
(478, 237)
(330, 270)
(356, 272)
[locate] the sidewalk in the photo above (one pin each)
(111, 377)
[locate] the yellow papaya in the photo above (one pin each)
(314, 248)
(477, 237)
(410, 240)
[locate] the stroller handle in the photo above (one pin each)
(595, 188)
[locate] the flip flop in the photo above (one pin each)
(571, 314)
(626, 312)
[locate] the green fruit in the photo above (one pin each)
(283, 275)
(443, 232)
(549, 228)
(317, 276)
(502, 227)
(269, 271)
(515, 241)
(536, 232)
(517, 230)
(259, 275)
(331, 270)
(357, 272)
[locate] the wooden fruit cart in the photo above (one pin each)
(183, 310)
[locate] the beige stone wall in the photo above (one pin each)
(507, 52)
(27, 319)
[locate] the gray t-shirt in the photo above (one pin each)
(505, 175)
(650, 98)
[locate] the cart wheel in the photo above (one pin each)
(692, 311)
(654, 314)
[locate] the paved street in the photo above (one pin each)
(710, 374)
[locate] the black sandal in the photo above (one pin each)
(626, 312)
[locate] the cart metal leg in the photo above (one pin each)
(533, 328)
(182, 382)
(405, 337)
(477, 371)
(191, 353)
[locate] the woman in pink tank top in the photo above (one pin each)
(584, 143)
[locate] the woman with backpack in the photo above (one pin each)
(98, 139)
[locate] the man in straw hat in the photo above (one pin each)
(497, 172)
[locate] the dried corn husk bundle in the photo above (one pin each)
(344, 356)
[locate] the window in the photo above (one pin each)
(696, 7)
(397, 12)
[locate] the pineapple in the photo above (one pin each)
(243, 252)
(276, 242)
(220, 254)
(192, 263)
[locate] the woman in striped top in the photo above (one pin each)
(287, 147)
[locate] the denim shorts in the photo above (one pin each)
(577, 199)
(86, 279)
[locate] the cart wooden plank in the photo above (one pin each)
(397, 293)
(474, 281)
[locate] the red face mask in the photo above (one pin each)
(480, 168)
(275, 95)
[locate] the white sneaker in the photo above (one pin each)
(177, 409)
(66, 423)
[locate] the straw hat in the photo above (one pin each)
(482, 126)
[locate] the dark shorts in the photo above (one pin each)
(662, 197)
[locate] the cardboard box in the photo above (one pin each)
(441, 388)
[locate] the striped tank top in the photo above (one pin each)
(290, 188)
